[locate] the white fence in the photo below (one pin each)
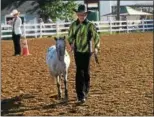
(39, 30)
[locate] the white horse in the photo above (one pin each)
(58, 61)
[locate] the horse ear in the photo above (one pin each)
(64, 37)
(55, 38)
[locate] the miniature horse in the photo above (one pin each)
(58, 61)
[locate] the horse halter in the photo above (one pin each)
(60, 48)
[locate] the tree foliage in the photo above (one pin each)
(58, 9)
(55, 9)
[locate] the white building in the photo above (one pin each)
(106, 6)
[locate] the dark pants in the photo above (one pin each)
(82, 61)
(16, 42)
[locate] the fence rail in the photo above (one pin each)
(48, 29)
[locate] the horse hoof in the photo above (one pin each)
(59, 97)
(66, 98)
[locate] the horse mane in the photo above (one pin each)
(60, 51)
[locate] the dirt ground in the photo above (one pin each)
(122, 84)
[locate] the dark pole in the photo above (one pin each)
(118, 10)
(99, 9)
(118, 13)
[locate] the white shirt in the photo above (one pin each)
(17, 25)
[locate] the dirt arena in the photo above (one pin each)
(122, 84)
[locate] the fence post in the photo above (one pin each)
(40, 30)
(143, 26)
(35, 26)
(127, 26)
(119, 25)
(110, 23)
(24, 30)
(2, 28)
(57, 28)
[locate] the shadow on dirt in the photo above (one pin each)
(13, 106)
(54, 105)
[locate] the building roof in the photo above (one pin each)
(125, 10)
(144, 4)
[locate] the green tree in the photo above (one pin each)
(47, 8)
(58, 9)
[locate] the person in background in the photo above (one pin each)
(41, 23)
(16, 31)
(49, 20)
(81, 33)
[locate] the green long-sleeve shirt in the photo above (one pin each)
(81, 34)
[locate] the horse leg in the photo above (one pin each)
(65, 83)
(58, 87)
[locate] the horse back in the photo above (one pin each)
(51, 54)
(56, 66)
